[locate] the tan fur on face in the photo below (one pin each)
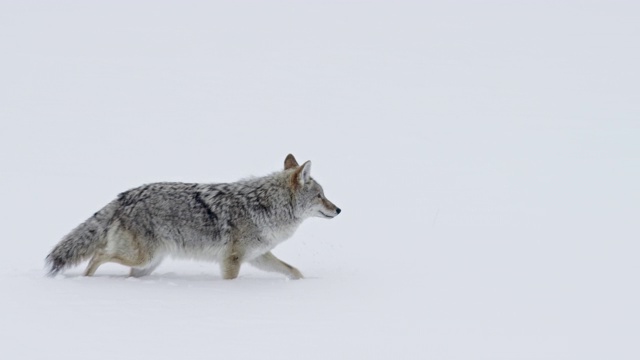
(329, 205)
(293, 180)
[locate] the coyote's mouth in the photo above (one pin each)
(327, 216)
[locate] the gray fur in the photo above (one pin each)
(229, 223)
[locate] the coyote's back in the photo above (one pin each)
(229, 223)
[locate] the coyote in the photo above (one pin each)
(230, 223)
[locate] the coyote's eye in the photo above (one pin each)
(319, 196)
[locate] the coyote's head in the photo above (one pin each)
(309, 196)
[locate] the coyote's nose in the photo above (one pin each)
(338, 210)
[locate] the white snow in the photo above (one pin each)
(486, 156)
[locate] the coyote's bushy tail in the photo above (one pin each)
(81, 242)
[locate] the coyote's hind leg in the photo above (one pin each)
(147, 269)
(98, 259)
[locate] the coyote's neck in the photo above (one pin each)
(270, 201)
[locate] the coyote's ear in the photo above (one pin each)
(290, 162)
(303, 174)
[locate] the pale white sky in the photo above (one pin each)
(485, 156)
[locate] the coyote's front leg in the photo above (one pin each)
(230, 266)
(270, 262)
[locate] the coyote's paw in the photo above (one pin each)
(295, 274)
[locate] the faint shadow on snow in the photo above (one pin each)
(173, 278)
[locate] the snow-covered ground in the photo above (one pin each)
(486, 156)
